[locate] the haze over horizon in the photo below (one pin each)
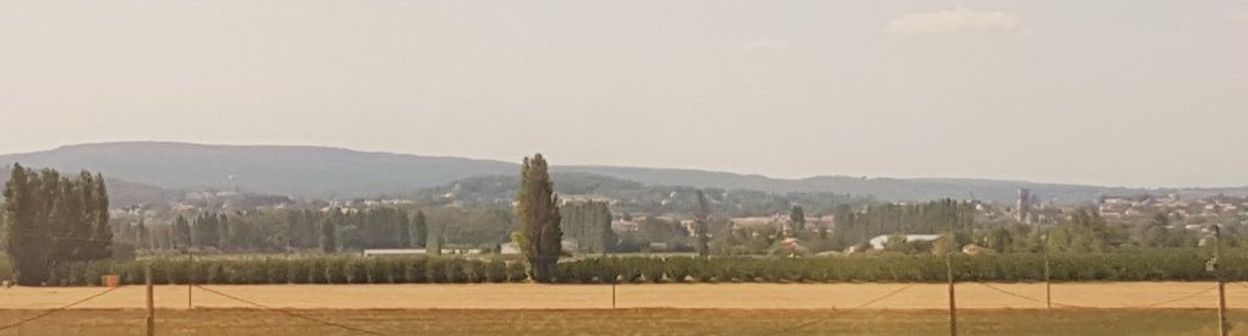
(1114, 93)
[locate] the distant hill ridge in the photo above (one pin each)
(323, 172)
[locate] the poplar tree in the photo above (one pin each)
(797, 221)
(405, 229)
(224, 234)
(589, 223)
(27, 244)
(143, 237)
(435, 239)
(420, 229)
(329, 241)
(537, 208)
(702, 225)
(102, 233)
(181, 233)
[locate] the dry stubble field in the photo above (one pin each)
(663, 309)
(680, 296)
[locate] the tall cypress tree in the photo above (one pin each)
(420, 229)
(181, 233)
(70, 239)
(225, 234)
(434, 240)
(405, 229)
(143, 239)
(797, 221)
(702, 225)
(28, 243)
(537, 208)
(102, 235)
(329, 241)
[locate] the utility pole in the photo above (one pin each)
(953, 246)
(1223, 328)
(151, 303)
(190, 278)
(1048, 284)
(953, 303)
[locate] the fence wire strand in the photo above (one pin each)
(838, 313)
(57, 309)
(1067, 305)
(292, 314)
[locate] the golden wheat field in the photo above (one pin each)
(678, 296)
(652, 309)
(624, 322)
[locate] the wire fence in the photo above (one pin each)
(1068, 305)
(290, 313)
(838, 313)
(49, 312)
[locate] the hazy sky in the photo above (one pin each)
(1138, 93)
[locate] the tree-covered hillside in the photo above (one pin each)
(632, 197)
(125, 193)
(332, 173)
(303, 172)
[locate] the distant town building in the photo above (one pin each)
(393, 252)
(879, 241)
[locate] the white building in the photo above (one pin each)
(879, 241)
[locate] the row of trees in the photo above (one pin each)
(589, 223)
(855, 227)
(52, 219)
(1085, 231)
(277, 230)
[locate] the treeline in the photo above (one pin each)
(283, 230)
(350, 230)
(637, 198)
(1087, 232)
(1145, 265)
(856, 227)
(52, 220)
(589, 224)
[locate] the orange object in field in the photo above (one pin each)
(111, 281)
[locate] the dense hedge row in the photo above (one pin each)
(1143, 266)
(1181, 266)
(6, 268)
(327, 270)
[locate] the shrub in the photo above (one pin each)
(415, 271)
(300, 270)
(436, 270)
(377, 271)
(278, 271)
(516, 272)
(496, 271)
(474, 271)
(356, 271)
(455, 271)
(335, 271)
